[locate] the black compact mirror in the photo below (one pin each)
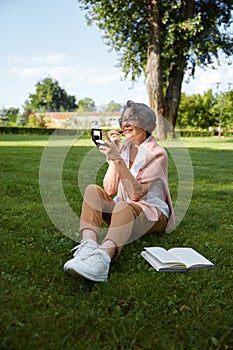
(96, 135)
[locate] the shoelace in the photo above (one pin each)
(77, 248)
(81, 246)
(94, 257)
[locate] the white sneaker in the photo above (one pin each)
(82, 250)
(94, 267)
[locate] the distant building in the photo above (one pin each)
(74, 120)
(3, 116)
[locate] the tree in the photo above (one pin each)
(113, 107)
(49, 96)
(27, 109)
(13, 114)
(197, 111)
(163, 39)
(86, 105)
(13, 111)
(224, 109)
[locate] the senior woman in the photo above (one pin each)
(135, 199)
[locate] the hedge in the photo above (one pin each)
(45, 131)
(40, 131)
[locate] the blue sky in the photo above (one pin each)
(41, 38)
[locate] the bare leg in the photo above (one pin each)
(110, 248)
(89, 234)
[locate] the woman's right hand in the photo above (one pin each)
(110, 149)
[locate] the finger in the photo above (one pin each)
(101, 142)
(113, 133)
(115, 138)
(104, 143)
(106, 136)
(102, 148)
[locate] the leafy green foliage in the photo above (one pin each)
(163, 39)
(43, 308)
(113, 107)
(127, 33)
(225, 109)
(49, 96)
(36, 121)
(200, 33)
(197, 111)
(86, 105)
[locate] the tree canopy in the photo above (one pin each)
(86, 105)
(163, 39)
(49, 96)
(198, 111)
(113, 107)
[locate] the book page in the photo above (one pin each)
(190, 257)
(158, 266)
(164, 256)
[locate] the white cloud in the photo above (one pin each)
(39, 59)
(58, 66)
(62, 65)
(49, 59)
(104, 78)
(206, 79)
(16, 59)
(60, 71)
(35, 72)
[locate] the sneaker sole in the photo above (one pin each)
(79, 256)
(73, 272)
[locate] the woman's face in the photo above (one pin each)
(131, 129)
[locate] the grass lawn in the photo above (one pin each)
(43, 308)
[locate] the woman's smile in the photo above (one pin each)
(134, 133)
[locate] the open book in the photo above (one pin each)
(175, 259)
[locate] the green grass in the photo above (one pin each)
(138, 308)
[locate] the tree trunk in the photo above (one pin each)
(177, 68)
(173, 92)
(154, 80)
(165, 107)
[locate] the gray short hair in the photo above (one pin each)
(144, 114)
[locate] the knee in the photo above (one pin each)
(91, 188)
(94, 192)
(121, 206)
